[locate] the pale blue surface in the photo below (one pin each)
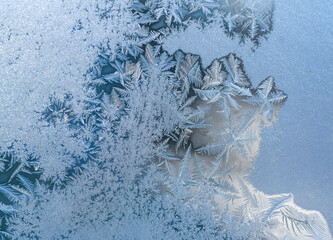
(296, 155)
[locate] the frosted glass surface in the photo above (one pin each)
(166, 119)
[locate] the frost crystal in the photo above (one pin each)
(248, 19)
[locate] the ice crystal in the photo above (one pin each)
(249, 19)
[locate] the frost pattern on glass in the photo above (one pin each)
(147, 145)
(247, 19)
